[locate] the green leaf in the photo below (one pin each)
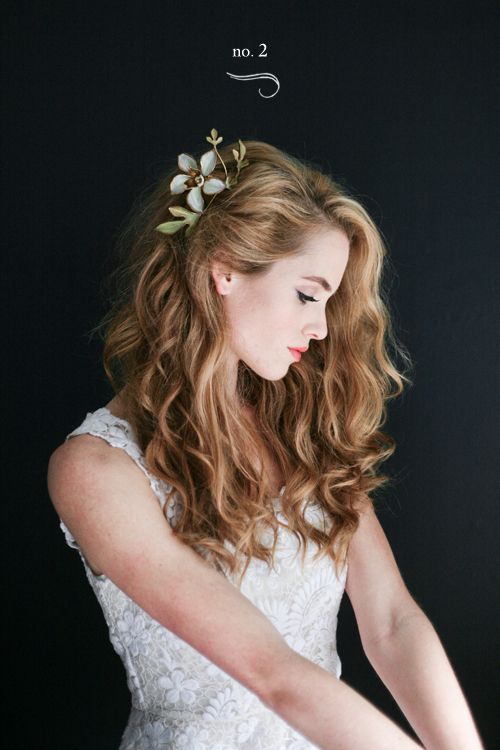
(214, 138)
(170, 227)
(180, 211)
(192, 225)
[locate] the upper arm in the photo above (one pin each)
(374, 584)
(107, 503)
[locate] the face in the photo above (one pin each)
(271, 313)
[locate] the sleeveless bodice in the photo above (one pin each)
(179, 698)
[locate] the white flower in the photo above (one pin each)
(246, 729)
(195, 179)
(133, 632)
(178, 687)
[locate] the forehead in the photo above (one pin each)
(323, 254)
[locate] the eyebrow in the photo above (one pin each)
(319, 280)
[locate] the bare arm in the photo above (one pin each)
(331, 714)
(402, 645)
(107, 503)
(413, 665)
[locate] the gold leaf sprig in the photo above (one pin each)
(199, 179)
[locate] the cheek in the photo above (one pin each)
(265, 321)
(285, 320)
(277, 318)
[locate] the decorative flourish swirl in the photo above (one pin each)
(254, 76)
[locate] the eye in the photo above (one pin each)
(304, 298)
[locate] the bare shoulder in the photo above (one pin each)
(87, 465)
(80, 448)
(85, 458)
(86, 448)
(92, 486)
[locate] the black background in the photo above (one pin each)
(394, 99)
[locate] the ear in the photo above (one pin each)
(222, 278)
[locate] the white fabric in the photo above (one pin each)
(180, 699)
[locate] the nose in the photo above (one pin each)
(316, 330)
(317, 336)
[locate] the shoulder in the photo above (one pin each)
(82, 452)
(87, 465)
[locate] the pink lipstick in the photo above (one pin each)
(295, 354)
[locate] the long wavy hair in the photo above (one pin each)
(165, 349)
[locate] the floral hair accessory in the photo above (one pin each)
(197, 179)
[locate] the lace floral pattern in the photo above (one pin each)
(179, 698)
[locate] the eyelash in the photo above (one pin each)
(304, 298)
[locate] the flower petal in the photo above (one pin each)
(186, 162)
(208, 162)
(213, 185)
(178, 184)
(195, 199)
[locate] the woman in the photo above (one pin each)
(249, 350)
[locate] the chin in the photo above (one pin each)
(269, 373)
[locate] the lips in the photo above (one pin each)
(295, 353)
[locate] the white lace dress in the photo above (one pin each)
(179, 698)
